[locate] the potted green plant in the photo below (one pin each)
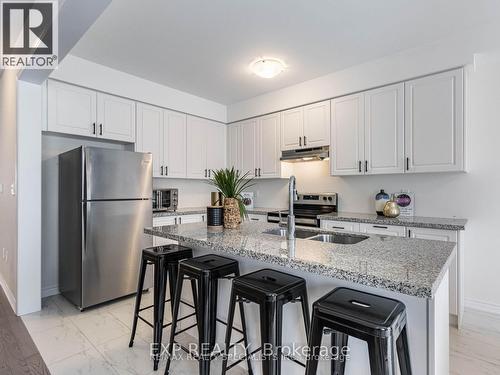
(231, 184)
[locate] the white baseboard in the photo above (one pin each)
(48, 291)
(485, 307)
(10, 296)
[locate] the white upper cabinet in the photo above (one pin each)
(292, 128)
(71, 109)
(384, 130)
(434, 128)
(249, 148)
(115, 118)
(269, 165)
(316, 125)
(196, 159)
(305, 127)
(163, 133)
(150, 132)
(75, 110)
(347, 135)
(216, 148)
(234, 146)
(174, 141)
(206, 147)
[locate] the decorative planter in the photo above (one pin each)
(232, 218)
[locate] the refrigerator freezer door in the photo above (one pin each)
(117, 174)
(113, 243)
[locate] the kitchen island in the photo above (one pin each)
(413, 271)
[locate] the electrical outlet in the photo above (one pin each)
(12, 189)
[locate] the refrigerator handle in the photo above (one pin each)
(84, 228)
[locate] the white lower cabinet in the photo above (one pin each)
(388, 230)
(339, 226)
(195, 218)
(455, 279)
(173, 220)
(257, 217)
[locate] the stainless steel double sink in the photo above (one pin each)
(340, 238)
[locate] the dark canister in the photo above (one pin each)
(215, 216)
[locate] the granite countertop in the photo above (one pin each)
(409, 221)
(203, 210)
(410, 266)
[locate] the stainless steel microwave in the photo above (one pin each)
(165, 200)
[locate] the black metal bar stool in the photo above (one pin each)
(271, 290)
(379, 321)
(206, 270)
(165, 260)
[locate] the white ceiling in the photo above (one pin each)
(204, 47)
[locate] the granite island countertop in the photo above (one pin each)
(410, 266)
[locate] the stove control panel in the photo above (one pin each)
(328, 199)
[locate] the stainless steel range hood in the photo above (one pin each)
(305, 154)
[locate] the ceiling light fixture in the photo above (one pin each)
(267, 67)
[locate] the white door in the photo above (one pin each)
(249, 137)
(71, 109)
(347, 133)
(384, 130)
(387, 230)
(174, 144)
(317, 124)
(196, 159)
(115, 118)
(292, 128)
(234, 146)
(216, 147)
(448, 236)
(268, 146)
(434, 130)
(150, 135)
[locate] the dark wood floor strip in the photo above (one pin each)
(18, 352)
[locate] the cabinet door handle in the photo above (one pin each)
(407, 164)
(205, 173)
(305, 143)
(359, 166)
(175, 221)
(380, 227)
(366, 165)
(100, 129)
(161, 170)
(209, 173)
(93, 127)
(300, 141)
(334, 227)
(259, 172)
(180, 220)
(166, 170)
(254, 219)
(255, 173)
(409, 233)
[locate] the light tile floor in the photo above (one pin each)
(96, 342)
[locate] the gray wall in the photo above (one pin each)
(8, 202)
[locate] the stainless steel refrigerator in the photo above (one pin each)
(104, 205)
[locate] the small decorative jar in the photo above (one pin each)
(380, 200)
(232, 218)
